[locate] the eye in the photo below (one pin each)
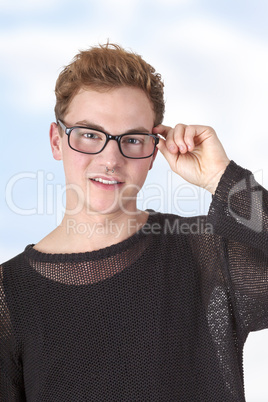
(91, 136)
(86, 134)
(133, 139)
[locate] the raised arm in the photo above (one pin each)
(239, 216)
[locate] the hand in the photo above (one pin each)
(194, 152)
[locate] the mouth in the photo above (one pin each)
(104, 181)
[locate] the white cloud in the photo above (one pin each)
(176, 3)
(256, 366)
(220, 74)
(25, 5)
(32, 61)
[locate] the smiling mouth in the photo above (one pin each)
(107, 181)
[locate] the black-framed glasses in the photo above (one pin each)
(91, 141)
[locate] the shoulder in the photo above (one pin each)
(18, 258)
(171, 224)
(15, 266)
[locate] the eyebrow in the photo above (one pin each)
(100, 128)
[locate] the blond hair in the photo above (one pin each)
(106, 67)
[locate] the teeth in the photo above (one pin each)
(105, 181)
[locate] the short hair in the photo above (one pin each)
(106, 67)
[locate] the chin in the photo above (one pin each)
(105, 208)
(102, 209)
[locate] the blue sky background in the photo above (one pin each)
(213, 56)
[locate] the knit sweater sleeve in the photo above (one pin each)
(239, 215)
(11, 388)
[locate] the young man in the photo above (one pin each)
(155, 312)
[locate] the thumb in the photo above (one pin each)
(165, 152)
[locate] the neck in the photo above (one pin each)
(92, 232)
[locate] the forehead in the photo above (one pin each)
(115, 107)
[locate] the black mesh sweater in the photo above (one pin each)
(161, 316)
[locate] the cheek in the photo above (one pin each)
(74, 164)
(141, 171)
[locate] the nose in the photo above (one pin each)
(111, 155)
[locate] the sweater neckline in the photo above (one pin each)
(105, 252)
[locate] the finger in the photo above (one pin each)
(179, 138)
(189, 135)
(165, 151)
(168, 133)
(162, 130)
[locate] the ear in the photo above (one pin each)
(55, 141)
(153, 158)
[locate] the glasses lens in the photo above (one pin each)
(137, 145)
(87, 140)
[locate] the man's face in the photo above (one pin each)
(115, 112)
